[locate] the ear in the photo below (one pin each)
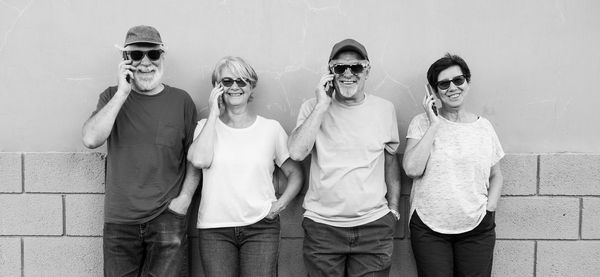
(368, 70)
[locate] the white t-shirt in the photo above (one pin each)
(451, 195)
(347, 173)
(237, 189)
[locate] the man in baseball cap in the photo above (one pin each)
(354, 184)
(148, 126)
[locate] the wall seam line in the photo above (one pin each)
(537, 175)
(22, 173)
(22, 258)
(64, 214)
(535, 249)
(580, 218)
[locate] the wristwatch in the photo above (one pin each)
(396, 214)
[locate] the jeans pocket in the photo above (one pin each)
(489, 220)
(271, 221)
(175, 214)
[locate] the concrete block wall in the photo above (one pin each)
(51, 212)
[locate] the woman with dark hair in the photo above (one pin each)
(238, 217)
(453, 157)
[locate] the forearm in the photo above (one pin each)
(191, 181)
(293, 173)
(201, 151)
(181, 203)
(416, 155)
(495, 189)
(392, 181)
(294, 184)
(302, 139)
(99, 126)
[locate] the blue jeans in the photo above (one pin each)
(364, 250)
(241, 251)
(154, 248)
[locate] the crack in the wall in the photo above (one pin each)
(14, 23)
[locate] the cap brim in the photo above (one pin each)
(132, 47)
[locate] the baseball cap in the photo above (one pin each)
(349, 44)
(142, 34)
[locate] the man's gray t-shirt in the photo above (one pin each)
(147, 150)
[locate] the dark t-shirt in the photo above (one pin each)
(147, 150)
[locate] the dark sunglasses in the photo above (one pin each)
(341, 68)
(457, 81)
(138, 55)
(228, 82)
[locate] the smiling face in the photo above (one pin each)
(148, 74)
(235, 95)
(454, 96)
(350, 86)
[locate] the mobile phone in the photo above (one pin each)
(329, 86)
(125, 57)
(430, 93)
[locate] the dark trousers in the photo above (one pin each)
(247, 251)
(364, 250)
(467, 254)
(155, 248)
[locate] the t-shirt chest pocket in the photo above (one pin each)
(168, 134)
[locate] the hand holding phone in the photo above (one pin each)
(215, 100)
(329, 88)
(125, 58)
(325, 89)
(429, 90)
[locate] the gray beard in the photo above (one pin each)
(143, 85)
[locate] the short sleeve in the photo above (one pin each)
(305, 111)
(103, 99)
(417, 127)
(191, 116)
(392, 145)
(497, 151)
(199, 127)
(281, 149)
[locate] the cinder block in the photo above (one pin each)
(568, 258)
(84, 214)
(64, 172)
(520, 174)
(10, 257)
(291, 263)
(291, 219)
(570, 174)
(63, 256)
(590, 225)
(514, 258)
(27, 214)
(10, 172)
(537, 218)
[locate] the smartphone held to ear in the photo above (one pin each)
(329, 88)
(125, 57)
(430, 93)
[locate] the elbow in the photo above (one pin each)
(296, 154)
(412, 172)
(90, 143)
(199, 163)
